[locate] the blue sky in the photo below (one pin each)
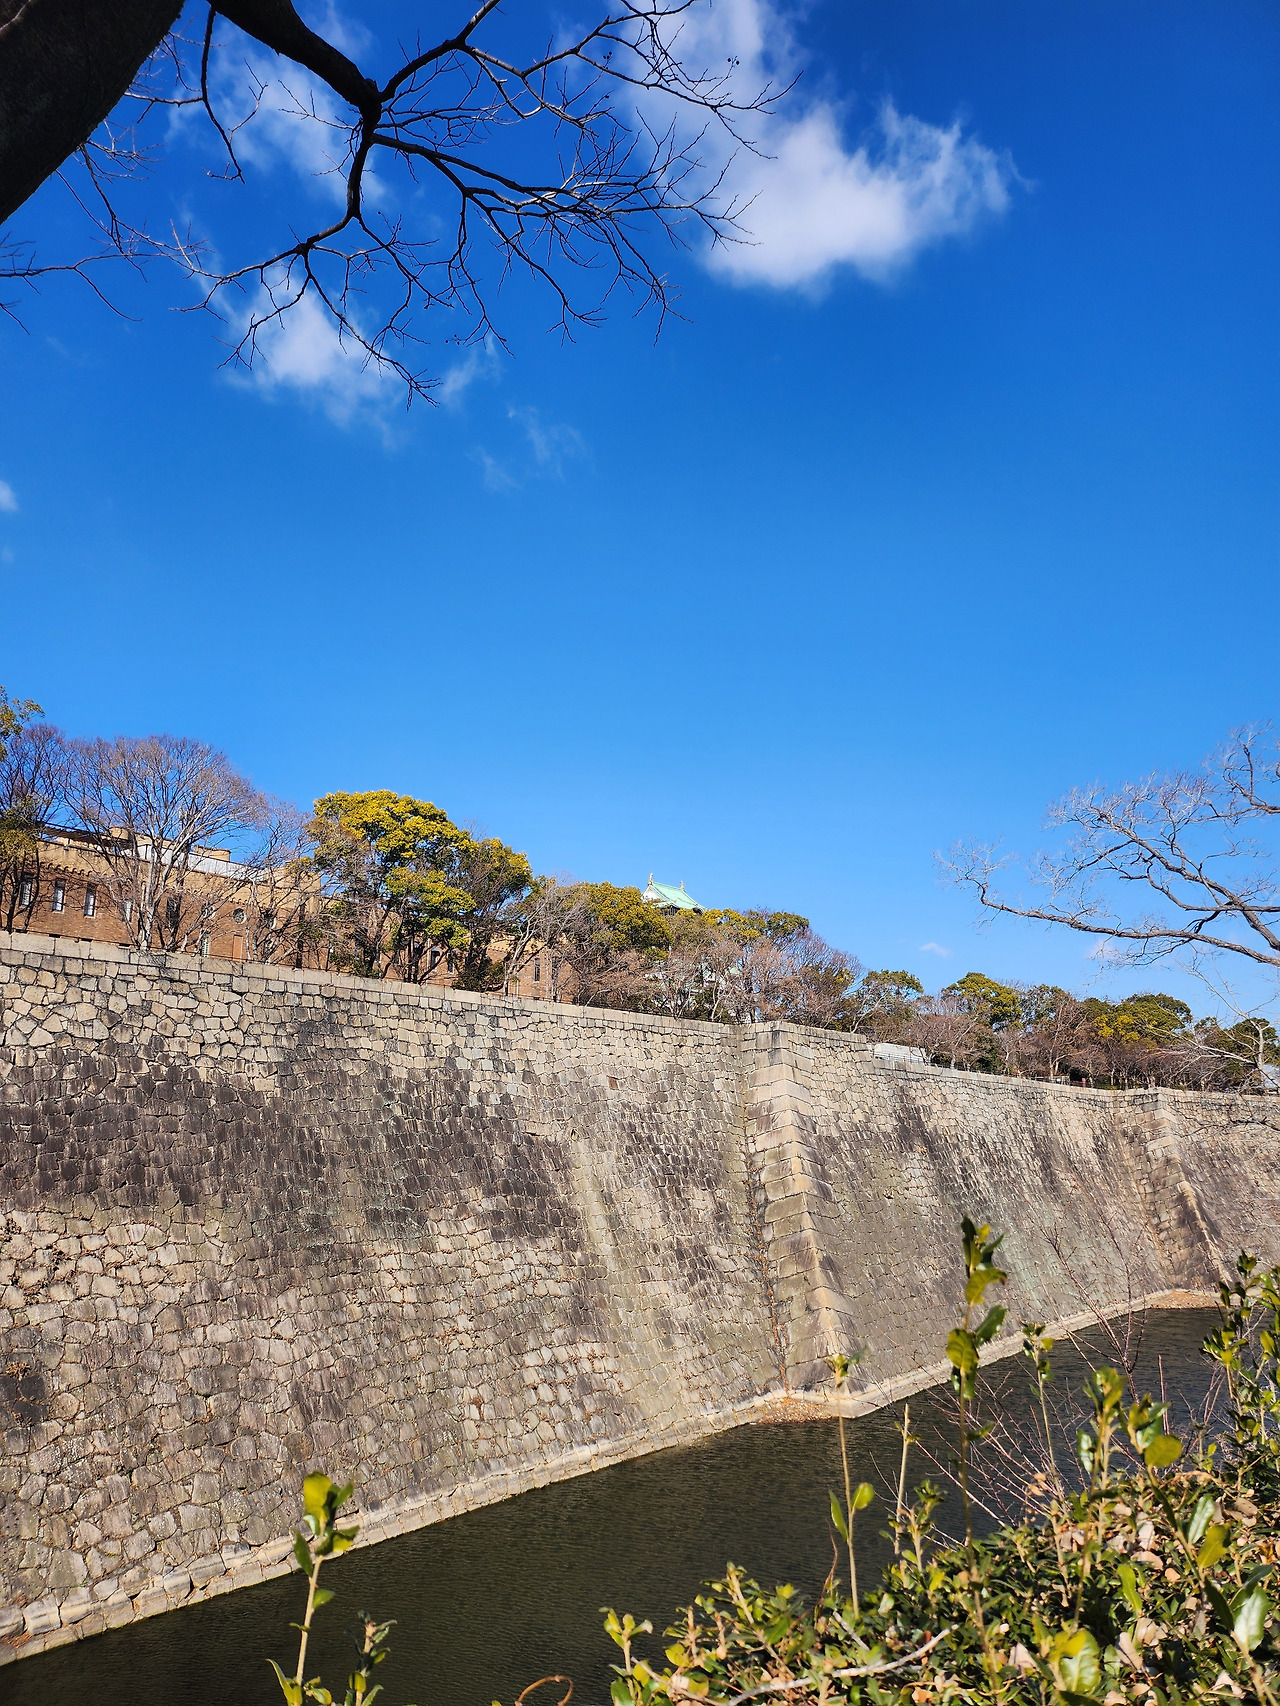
(903, 530)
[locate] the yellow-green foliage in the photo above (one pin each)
(401, 876)
(623, 918)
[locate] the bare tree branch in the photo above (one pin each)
(562, 166)
(1186, 844)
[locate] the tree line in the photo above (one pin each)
(384, 885)
(377, 883)
(1042, 1031)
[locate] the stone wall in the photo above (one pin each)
(1102, 1197)
(257, 1221)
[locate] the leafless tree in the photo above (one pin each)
(587, 966)
(1245, 1053)
(1057, 1035)
(278, 891)
(32, 775)
(1236, 1050)
(557, 160)
(1177, 862)
(881, 1003)
(947, 1027)
(532, 926)
(585, 955)
(152, 805)
(798, 978)
(699, 977)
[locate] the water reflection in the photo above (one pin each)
(487, 1602)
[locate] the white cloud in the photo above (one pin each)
(302, 352)
(813, 201)
(8, 498)
(935, 948)
(496, 477)
(552, 445)
(481, 362)
(817, 205)
(813, 198)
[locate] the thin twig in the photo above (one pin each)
(842, 1675)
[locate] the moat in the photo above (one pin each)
(488, 1602)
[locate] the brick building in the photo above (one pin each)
(66, 892)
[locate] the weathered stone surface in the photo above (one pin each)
(256, 1221)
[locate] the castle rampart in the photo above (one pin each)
(454, 1245)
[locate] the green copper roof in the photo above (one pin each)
(666, 894)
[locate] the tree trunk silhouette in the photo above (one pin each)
(64, 64)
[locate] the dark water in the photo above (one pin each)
(486, 1603)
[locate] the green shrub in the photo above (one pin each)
(1150, 1580)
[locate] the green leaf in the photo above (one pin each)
(620, 1693)
(838, 1518)
(863, 1494)
(978, 1253)
(292, 1689)
(961, 1350)
(1129, 1588)
(344, 1538)
(1251, 1610)
(1162, 1451)
(323, 1596)
(990, 1326)
(1222, 1610)
(1085, 1450)
(981, 1277)
(1106, 1388)
(302, 1552)
(1079, 1664)
(1215, 1544)
(1201, 1517)
(315, 1496)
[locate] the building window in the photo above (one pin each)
(126, 910)
(204, 947)
(238, 915)
(26, 888)
(90, 901)
(537, 971)
(59, 895)
(173, 911)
